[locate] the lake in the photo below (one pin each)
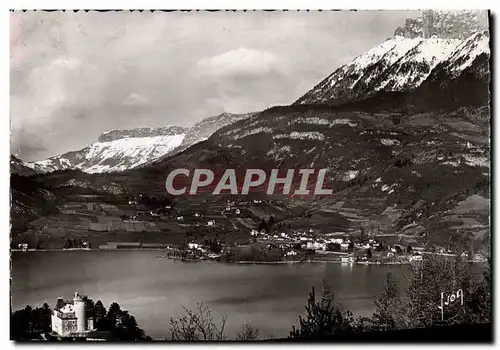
(270, 297)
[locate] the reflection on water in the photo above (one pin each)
(270, 297)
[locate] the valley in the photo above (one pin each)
(403, 135)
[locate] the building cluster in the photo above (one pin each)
(343, 243)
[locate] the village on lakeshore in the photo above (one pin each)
(246, 240)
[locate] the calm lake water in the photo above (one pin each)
(270, 297)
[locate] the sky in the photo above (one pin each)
(76, 75)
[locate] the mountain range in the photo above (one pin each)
(119, 150)
(403, 130)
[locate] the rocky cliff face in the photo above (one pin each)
(113, 135)
(444, 24)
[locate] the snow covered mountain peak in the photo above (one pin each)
(123, 149)
(398, 64)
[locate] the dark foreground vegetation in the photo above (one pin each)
(35, 323)
(412, 314)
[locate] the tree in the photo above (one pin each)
(29, 323)
(112, 316)
(247, 333)
(197, 325)
(388, 313)
(270, 223)
(324, 318)
(262, 225)
(127, 328)
(333, 247)
(409, 249)
(439, 274)
(479, 308)
(100, 315)
(380, 247)
(369, 253)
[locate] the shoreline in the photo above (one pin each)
(313, 261)
(243, 262)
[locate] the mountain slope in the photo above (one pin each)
(205, 128)
(403, 64)
(20, 167)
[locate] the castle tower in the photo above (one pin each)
(79, 307)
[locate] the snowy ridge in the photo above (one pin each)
(398, 64)
(465, 53)
(117, 155)
(131, 152)
(123, 149)
(413, 68)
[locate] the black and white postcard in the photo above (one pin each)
(293, 176)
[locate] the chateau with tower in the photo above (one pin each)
(69, 318)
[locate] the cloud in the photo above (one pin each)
(242, 61)
(75, 75)
(134, 99)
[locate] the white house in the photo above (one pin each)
(291, 253)
(70, 319)
(344, 246)
(254, 232)
(316, 245)
(211, 223)
(194, 246)
(180, 218)
(23, 246)
(237, 212)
